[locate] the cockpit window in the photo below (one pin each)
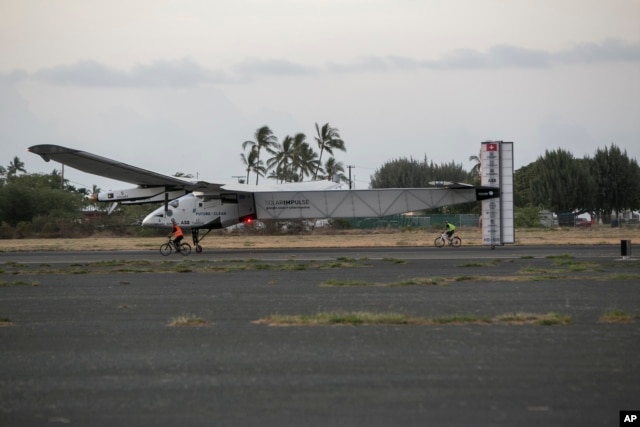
(175, 203)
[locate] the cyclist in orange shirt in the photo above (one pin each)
(177, 234)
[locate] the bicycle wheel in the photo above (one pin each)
(185, 249)
(456, 242)
(439, 242)
(165, 249)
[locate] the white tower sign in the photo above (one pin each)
(496, 170)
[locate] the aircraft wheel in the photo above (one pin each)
(198, 249)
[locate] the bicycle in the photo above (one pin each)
(443, 239)
(167, 248)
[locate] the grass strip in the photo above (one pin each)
(357, 318)
(616, 316)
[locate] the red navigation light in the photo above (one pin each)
(247, 219)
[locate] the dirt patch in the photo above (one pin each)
(339, 239)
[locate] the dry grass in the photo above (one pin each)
(324, 239)
(188, 320)
(616, 316)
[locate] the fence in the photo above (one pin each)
(421, 221)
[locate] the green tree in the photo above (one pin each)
(410, 173)
(250, 161)
(522, 179)
(617, 180)
(280, 163)
(328, 139)
(474, 174)
(15, 166)
(305, 160)
(561, 183)
(527, 217)
(263, 139)
(29, 196)
(333, 168)
(399, 173)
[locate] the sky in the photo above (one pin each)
(178, 86)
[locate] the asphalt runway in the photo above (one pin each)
(88, 341)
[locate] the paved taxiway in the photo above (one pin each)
(95, 349)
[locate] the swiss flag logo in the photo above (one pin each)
(492, 147)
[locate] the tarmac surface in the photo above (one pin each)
(87, 339)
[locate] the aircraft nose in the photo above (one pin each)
(154, 219)
(147, 220)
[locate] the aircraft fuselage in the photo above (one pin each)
(203, 211)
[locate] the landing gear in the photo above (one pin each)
(195, 234)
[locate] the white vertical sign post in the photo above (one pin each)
(506, 193)
(496, 170)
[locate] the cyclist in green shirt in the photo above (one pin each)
(450, 229)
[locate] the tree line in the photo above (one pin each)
(37, 202)
(605, 184)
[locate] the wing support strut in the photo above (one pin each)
(112, 208)
(195, 235)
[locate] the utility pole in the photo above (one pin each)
(350, 167)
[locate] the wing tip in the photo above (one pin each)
(45, 150)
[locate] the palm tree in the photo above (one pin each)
(264, 138)
(475, 170)
(15, 166)
(250, 160)
(333, 168)
(282, 160)
(305, 160)
(328, 139)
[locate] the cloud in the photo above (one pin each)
(181, 73)
(610, 50)
(13, 77)
(369, 64)
(188, 73)
(273, 67)
(506, 56)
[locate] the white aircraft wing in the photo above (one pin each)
(113, 169)
(363, 203)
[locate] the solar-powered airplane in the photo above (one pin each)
(201, 205)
